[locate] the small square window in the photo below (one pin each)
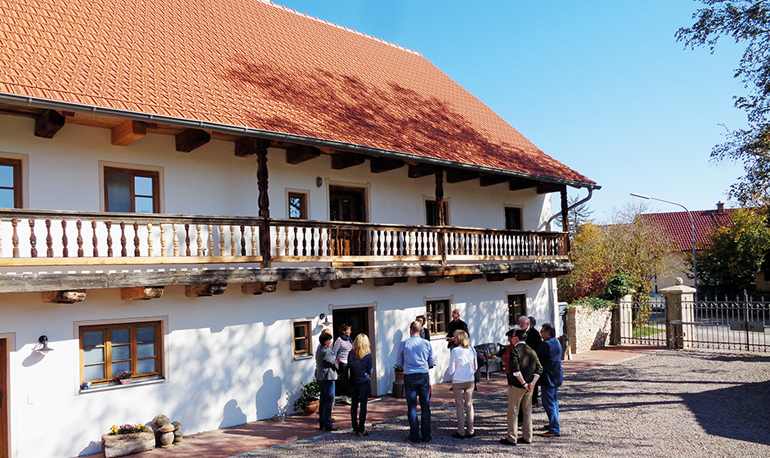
(297, 205)
(107, 350)
(302, 338)
(131, 191)
(437, 312)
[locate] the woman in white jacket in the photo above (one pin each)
(462, 367)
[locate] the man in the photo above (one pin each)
(523, 371)
(455, 325)
(549, 354)
(326, 374)
(415, 355)
(533, 341)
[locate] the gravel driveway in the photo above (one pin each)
(665, 404)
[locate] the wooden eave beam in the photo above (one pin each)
(422, 170)
(344, 160)
(545, 188)
(64, 297)
(48, 123)
(190, 139)
(466, 278)
(298, 154)
(249, 146)
(204, 290)
(525, 276)
(516, 184)
(345, 283)
(306, 285)
(141, 293)
(390, 281)
(499, 277)
(128, 132)
(384, 164)
(260, 287)
(430, 279)
(491, 180)
(458, 176)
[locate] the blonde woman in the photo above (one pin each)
(360, 362)
(462, 367)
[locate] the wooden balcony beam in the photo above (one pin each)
(345, 283)
(128, 132)
(48, 123)
(431, 279)
(191, 139)
(306, 285)
(390, 281)
(205, 290)
(466, 278)
(64, 297)
(141, 293)
(260, 287)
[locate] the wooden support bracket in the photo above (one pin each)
(64, 297)
(345, 283)
(421, 170)
(467, 278)
(249, 146)
(190, 139)
(48, 123)
(430, 279)
(306, 285)
(545, 188)
(491, 180)
(141, 293)
(499, 277)
(384, 164)
(299, 154)
(128, 132)
(204, 290)
(344, 160)
(258, 287)
(390, 281)
(524, 276)
(458, 176)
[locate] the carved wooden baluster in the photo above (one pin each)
(232, 240)
(150, 251)
(174, 240)
(187, 239)
(295, 242)
(79, 238)
(254, 240)
(221, 240)
(64, 251)
(277, 241)
(198, 239)
(312, 241)
(94, 239)
(123, 251)
(329, 242)
(211, 240)
(15, 237)
(48, 239)
(163, 239)
(243, 240)
(32, 239)
(304, 241)
(108, 224)
(287, 244)
(137, 253)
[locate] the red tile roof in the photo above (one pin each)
(252, 64)
(677, 225)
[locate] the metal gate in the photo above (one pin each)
(741, 324)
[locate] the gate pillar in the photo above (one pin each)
(679, 314)
(622, 321)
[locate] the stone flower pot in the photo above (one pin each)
(126, 444)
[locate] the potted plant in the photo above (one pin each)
(124, 377)
(399, 374)
(127, 439)
(308, 399)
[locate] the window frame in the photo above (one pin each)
(507, 221)
(308, 338)
(18, 179)
(108, 379)
(434, 214)
(304, 209)
(133, 172)
(433, 316)
(513, 319)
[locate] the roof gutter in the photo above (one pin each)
(576, 204)
(277, 136)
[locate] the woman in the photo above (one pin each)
(424, 332)
(342, 348)
(462, 367)
(361, 367)
(326, 374)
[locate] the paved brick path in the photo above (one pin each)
(224, 443)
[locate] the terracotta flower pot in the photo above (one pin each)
(125, 381)
(311, 408)
(399, 377)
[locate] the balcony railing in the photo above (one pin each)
(52, 238)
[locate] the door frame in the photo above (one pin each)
(359, 187)
(5, 386)
(371, 317)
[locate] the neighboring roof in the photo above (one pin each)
(677, 225)
(252, 64)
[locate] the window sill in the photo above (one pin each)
(110, 387)
(301, 358)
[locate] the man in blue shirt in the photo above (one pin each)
(415, 355)
(549, 354)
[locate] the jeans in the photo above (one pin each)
(326, 403)
(418, 385)
(359, 392)
(550, 396)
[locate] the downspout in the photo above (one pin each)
(576, 204)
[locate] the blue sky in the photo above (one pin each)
(600, 85)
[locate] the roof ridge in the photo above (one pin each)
(380, 40)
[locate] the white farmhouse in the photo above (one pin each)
(193, 191)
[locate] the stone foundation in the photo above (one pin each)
(588, 329)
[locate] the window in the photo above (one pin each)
(132, 191)
(301, 338)
(431, 212)
(297, 205)
(513, 218)
(437, 313)
(10, 183)
(107, 350)
(517, 306)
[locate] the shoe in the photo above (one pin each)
(413, 440)
(545, 428)
(332, 428)
(451, 388)
(524, 441)
(550, 434)
(470, 436)
(426, 439)
(458, 436)
(362, 433)
(506, 442)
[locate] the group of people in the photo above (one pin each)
(532, 359)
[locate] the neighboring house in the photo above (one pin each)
(193, 193)
(680, 231)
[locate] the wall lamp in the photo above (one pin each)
(324, 318)
(42, 345)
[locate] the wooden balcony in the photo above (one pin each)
(54, 238)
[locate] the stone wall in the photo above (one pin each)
(588, 329)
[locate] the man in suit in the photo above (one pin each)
(533, 341)
(549, 354)
(415, 355)
(523, 370)
(326, 374)
(455, 325)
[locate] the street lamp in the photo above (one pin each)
(692, 228)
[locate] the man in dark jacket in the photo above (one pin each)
(326, 373)
(549, 354)
(455, 325)
(523, 370)
(533, 341)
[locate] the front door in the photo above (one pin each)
(358, 320)
(347, 204)
(4, 400)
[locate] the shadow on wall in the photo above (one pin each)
(268, 399)
(232, 414)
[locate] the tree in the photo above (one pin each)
(735, 255)
(576, 216)
(746, 22)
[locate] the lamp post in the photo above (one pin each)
(692, 228)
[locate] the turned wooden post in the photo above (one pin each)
(441, 215)
(264, 204)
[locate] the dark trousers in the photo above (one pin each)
(343, 376)
(551, 406)
(326, 403)
(359, 394)
(418, 385)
